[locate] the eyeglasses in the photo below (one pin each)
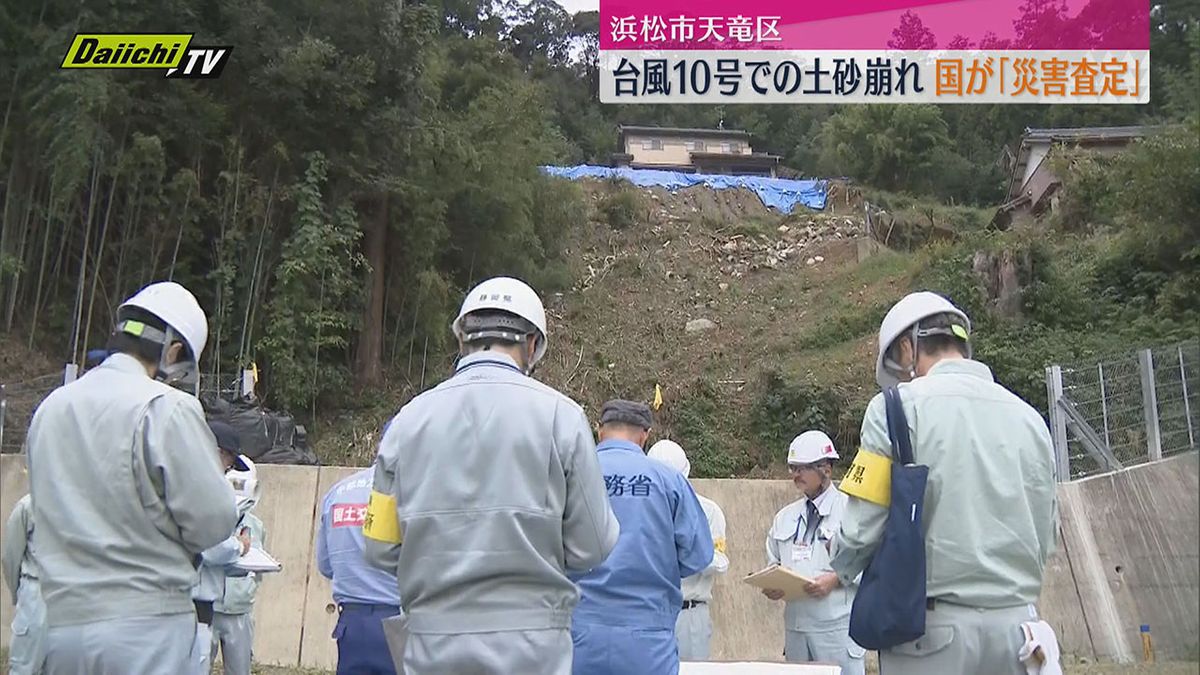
(797, 468)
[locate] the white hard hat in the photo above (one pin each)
(177, 308)
(245, 484)
(669, 453)
(809, 447)
(904, 315)
(509, 295)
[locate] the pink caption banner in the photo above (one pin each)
(875, 24)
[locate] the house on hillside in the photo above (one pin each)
(720, 151)
(1032, 184)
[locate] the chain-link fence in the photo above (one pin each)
(17, 403)
(226, 386)
(1125, 409)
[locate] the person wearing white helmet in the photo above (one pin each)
(127, 491)
(693, 628)
(989, 514)
(224, 596)
(816, 627)
(487, 492)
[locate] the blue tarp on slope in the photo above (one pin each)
(777, 193)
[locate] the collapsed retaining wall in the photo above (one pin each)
(1129, 556)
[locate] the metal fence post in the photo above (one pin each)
(1187, 406)
(1058, 424)
(3, 409)
(1104, 403)
(1150, 405)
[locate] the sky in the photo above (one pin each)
(573, 6)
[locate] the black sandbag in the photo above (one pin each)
(250, 423)
(216, 408)
(300, 439)
(285, 431)
(287, 455)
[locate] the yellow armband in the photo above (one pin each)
(869, 478)
(719, 545)
(382, 522)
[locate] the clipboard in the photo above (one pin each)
(257, 560)
(781, 579)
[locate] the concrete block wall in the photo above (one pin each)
(1129, 555)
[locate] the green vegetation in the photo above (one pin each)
(622, 208)
(698, 421)
(1118, 268)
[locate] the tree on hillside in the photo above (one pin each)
(912, 34)
(310, 318)
(1045, 24)
(959, 42)
(893, 147)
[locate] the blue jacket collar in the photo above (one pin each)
(614, 444)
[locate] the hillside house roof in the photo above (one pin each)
(1069, 136)
(729, 134)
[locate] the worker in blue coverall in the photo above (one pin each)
(625, 621)
(365, 596)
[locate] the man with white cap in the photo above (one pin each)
(817, 627)
(487, 491)
(989, 514)
(693, 628)
(127, 492)
(628, 606)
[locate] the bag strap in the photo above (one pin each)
(897, 423)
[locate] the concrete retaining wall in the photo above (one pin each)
(1130, 555)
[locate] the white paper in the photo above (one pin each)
(258, 560)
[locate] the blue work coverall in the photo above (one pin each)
(365, 595)
(625, 621)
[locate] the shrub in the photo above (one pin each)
(622, 208)
(785, 409)
(695, 422)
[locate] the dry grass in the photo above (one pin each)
(717, 255)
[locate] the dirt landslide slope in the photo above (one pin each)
(756, 325)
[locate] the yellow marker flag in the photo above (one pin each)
(657, 397)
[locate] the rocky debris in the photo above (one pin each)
(740, 254)
(699, 326)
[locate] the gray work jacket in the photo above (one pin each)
(498, 493)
